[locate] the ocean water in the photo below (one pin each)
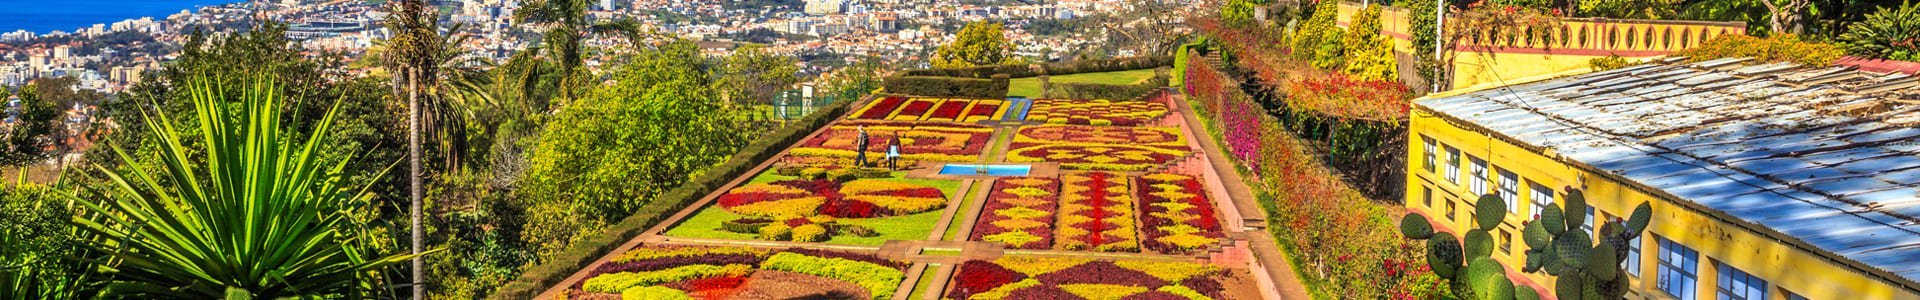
(42, 16)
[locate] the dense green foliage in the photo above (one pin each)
(1776, 48)
(980, 43)
(1318, 40)
(27, 141)
(752, 75)
(1370, 53)
(622, 144)
(1239, 12)
(255, 213)
(1891, 33)
(40, 247)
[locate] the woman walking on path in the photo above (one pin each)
(893, 153)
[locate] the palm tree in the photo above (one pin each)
(568, 25)
(250, 212)
(423, 58)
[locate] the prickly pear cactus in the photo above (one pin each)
(1468, 263)
(1588, 264)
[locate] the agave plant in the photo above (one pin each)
(245, 212)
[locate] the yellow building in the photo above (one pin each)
(1766, 181)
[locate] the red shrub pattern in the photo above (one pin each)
(949, 110)
(916, 107)
(880, 108)
(1001, 199)
(979, 276)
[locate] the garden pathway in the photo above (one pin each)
(1278, 271)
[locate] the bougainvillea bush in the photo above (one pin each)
(671, 272)
(805, 210)
(1339, 238)
(1105, 148)
(946, 142)
(1096, 112)
(1019, 212)
(1096, 213)
(1016, 277)
(931, 109)
(1176, 216)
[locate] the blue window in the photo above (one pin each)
(1510, 191)
(1542, 198)
(1590, 221)
(1679, 269)
(1633, 256)
(1738, 285)
(1479, 177)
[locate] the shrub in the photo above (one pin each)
(948, 86)
(673, 262)
(809, 233)
(1891, 33)
(653, 293)
(619, 282)
(1370, 53)
(776, 232)
(1776, 48)
(980, 276)
(878, 279)
(1076, 90)
(1608, 63)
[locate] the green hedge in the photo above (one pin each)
(1015, 71)
(1074, 90)
(930, 86)
(538, 278)
(1059, 68)
(1108, 65)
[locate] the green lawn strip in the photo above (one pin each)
(926, 278)
(967, 204)
(940, 252)
(1030, 86)
(706, 223)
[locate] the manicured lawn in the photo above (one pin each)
(966, 204)
(706, 223)
(1030, 86)
(926, 279)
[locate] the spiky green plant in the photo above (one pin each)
(1891, 33)
(1468, 263)
(246, 212)
(1558, 245)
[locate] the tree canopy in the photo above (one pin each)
(979, 44)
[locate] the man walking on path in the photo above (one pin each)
(860, 147)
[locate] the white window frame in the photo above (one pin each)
(1542, 196)
(1479, 173)
(1431, 159)
(1509, 190)
(1591, 222)
(1679, 274)
(1633, 256)
(1453, 166)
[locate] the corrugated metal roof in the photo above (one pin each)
(1828, 156)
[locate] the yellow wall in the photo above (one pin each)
(1784, 267)
(1575, 43)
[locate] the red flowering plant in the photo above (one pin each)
(1022, 277)
(1104, 148)
(1175, 214)
(949, 110)
(879, 109)
(914, 109)
(1096, 213)
(1096, 112)
(1020, 213)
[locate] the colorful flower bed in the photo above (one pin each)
(1105, 148)
(1019, 212)
(734, 272)
(806, 210)
(1015, 277)
(880, 109)
(930, 109)
(1096, 112)
(1176, 216)
(1096, 213)
(945, 142)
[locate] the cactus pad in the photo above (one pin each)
(1478, 244)
(1443, 254)
(1573, 247)
(1414, 226)
(1489, 211)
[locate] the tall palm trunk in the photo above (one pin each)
(413, 177)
